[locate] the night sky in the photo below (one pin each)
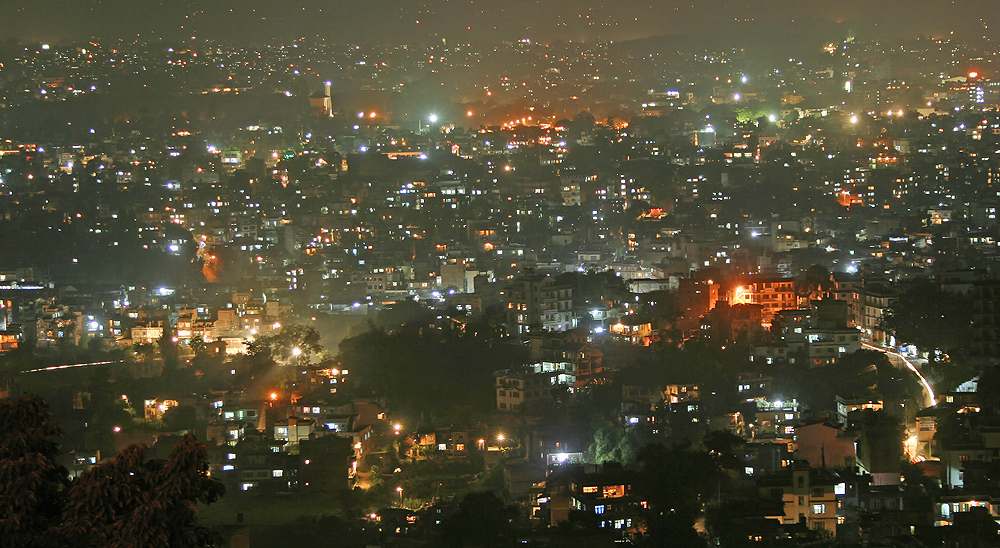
(257, 21)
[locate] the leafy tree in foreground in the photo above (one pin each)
(131, 501)
(125, 501)
(30, 479)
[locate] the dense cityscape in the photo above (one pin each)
(473, 291)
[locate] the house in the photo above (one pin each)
(634, 330)
(294, 429)
(531, 385)
(822, 443)
(808, 495)
(607, 493)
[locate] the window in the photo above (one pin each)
(818, 509)
(227, 467)
(277, 473)
(590, 489)
(599, 509)
(231, 456)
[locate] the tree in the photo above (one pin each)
(675, 482)
(482, 520)
(126, 501)
(724, 446)
(197, 344)
(929, 317)
(30, 479)
(131, 501)
(293, 344)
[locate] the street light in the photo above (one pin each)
(397, 427)
(500, 438)
(400, 491)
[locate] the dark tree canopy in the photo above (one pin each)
(483, 520)
(30, 479)
(122, 502)
(929, 317)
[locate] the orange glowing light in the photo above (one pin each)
(274, 396)
(973, 74)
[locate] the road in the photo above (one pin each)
(930, 400)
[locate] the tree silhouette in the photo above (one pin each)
(482, 520)
(125, 501)
(30, 479)
(131, 501)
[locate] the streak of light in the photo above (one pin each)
(69, 366)
(932, 399)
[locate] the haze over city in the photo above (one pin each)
(712, 22)
(499, 274)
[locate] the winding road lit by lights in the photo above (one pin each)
(931, 399)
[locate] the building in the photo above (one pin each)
(535, 302)
(608, 494)
(808, 495)
(773, 295)
(532, 385)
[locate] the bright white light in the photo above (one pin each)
(432, 118)
(296, 351)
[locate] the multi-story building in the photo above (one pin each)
(772, 295)
(608, 494)
(875, 302)
(535, 302)
(808, 495)
(531, 385)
